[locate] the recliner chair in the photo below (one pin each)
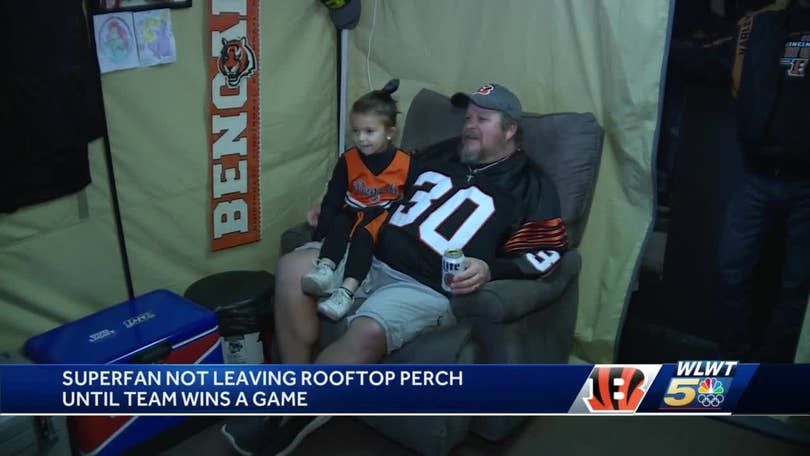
(507, 321)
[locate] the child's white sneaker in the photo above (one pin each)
(320, 280)
(338, 305)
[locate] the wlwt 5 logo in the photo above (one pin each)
(699, 386)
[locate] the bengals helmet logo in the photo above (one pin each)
(615, 389)
(236, 61)
(485, 89)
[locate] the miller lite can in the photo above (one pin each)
(452, 264)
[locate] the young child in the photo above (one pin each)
(366, 181)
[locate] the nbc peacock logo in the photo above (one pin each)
(711, 393)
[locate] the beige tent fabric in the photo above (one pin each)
(602, 56)
(59, 263)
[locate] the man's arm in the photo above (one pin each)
(534, 249)
(535, 259)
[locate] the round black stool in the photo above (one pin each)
(243, 302)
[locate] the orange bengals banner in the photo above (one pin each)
(234, 142)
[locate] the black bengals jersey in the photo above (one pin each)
(506, 213)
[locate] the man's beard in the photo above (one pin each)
(470, 156)
(477, 156)
(474, 155)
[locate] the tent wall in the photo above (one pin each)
(602, 56)
(59, 260)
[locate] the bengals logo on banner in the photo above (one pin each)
(236, 61)
(615, 389)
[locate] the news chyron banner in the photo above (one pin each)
(688, 387)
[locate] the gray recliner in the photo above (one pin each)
(507, 321)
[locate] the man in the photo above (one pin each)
(487, 199)
(767, 64)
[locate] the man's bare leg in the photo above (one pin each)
(296, 318)
(363, 343)
(297, 328)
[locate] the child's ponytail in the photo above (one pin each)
(380, 102)
(390, 87)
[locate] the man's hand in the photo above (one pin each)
(472, 278)
(312, 215)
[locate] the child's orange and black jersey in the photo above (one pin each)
(362, 181)
(367, 188)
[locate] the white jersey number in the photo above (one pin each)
(422, 201)
(543, 260)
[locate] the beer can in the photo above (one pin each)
(452, 264)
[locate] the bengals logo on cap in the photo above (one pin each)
(485, 89)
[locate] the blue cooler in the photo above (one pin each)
(157, 327)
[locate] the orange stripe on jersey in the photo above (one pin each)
(532, 246)
(549, 234)
(537, 236)
(372, 226)
(366, 189)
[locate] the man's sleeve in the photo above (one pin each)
(333, 199)
(535, 248)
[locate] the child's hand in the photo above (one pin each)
(312, 215)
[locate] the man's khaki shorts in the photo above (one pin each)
(403, 306)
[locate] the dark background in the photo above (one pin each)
(670, 315)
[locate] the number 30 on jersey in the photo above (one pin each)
(425, 202)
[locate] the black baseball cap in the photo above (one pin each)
(491, 96)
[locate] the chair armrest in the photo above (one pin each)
(295, 236)
(508, 300)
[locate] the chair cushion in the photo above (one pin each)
(567, 146)
(431, 119)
